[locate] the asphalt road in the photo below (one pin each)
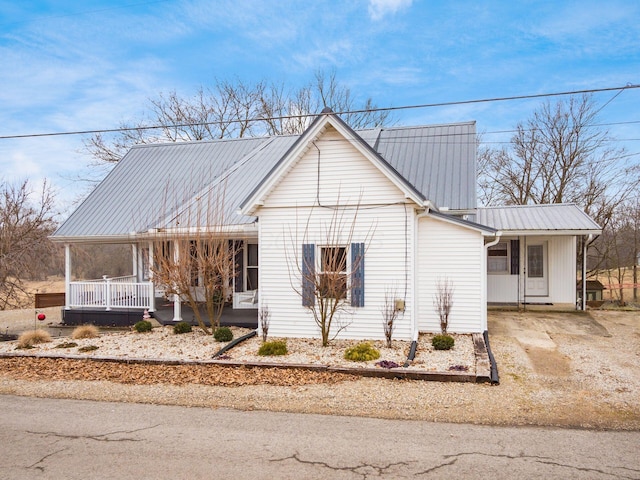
(72, 439)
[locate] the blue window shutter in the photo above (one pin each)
(308, 274)
(515, 257)
(357, 274)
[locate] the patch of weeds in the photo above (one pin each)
(67, 345)
(223, 334)
(276, 347)
(363, 352)
(387, 364)
(88, 348)
(143, 326)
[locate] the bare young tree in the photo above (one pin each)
(443, 302)
(264, 315)
(325, 285)
(390, 313)
(26, 220)
(235, 109)
(194, 259)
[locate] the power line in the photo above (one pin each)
(349, 112)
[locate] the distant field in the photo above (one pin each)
(609, 278)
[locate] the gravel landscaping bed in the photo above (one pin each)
(556, 369)
(162, 344)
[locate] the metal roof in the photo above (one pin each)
(157, 185)
(559, 217)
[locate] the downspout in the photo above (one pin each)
(414, 290)
(498, 235)
(585, 245)
(492, 361)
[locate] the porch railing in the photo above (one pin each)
(108, 293)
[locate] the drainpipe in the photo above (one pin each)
(585, 245)
(486, 254)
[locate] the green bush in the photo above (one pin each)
(362, 352)
(143, 326)
(276, 347)
(223, 334)
(442, 342)
(181, 327)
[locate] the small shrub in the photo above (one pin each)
(276, 347)
(181, 327)
(88, 348)
(143, 326)
(67, 345)
(32, 337)
(223, 334)
(363, 352)
(442, 342)
(85, 331)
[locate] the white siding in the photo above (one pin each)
(381, 222)
(334, 172)
(561, 264)
(456, 253)
(502, 288)
(561, 273)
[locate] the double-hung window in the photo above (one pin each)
(498, 258)
(333, 272)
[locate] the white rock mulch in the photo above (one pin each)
(163, 344)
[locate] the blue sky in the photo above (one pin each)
(68, 65)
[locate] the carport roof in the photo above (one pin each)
(555, 219)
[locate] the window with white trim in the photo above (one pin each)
(498, 258)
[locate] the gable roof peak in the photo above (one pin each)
(326, 110)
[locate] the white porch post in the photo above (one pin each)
(153, 287)
(134, 261)
(67, 276)
(177, 305)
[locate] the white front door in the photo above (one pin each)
(537, 281)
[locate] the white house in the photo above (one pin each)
(394, 204)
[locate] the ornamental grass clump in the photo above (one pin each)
(181, 327)
(275, 347)
(442, 342)
(85, 331)
(33, 337)
(143, 326)
(363, 352)
(223, 334)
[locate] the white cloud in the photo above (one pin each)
(378, 9)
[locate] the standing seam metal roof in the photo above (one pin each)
(560, 216)
(153, 185)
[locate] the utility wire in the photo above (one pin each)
(349, 112)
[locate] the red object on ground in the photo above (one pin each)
(41, 316)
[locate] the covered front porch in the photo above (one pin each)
(123, 300)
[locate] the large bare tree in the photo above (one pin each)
(235, 109)
(26, 220)
(559, 155)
